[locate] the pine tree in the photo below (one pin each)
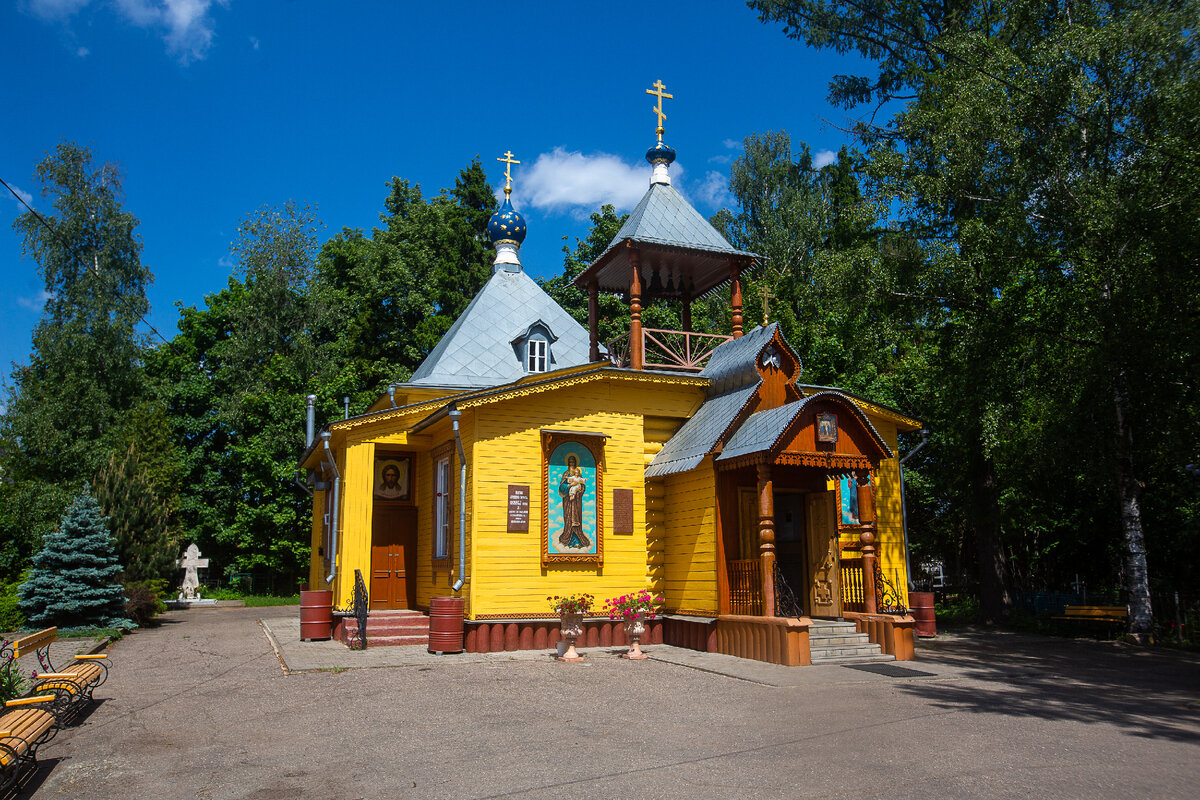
(141, 521)
(74, 580)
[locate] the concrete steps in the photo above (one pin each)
(391, 628)
(833, 642)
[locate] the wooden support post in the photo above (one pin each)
(866, 515)
(635, 310)
(766, 537)
(735, 299)
(593, 321)
(686, 314)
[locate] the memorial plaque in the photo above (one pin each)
(518, 509)
(622, 510)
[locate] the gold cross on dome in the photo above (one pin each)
(508, 161)
(659, 92)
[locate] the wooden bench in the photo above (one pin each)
(1095, 614)
(26, 724)
(72, 687)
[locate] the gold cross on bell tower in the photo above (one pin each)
(659, 91)
(767, 296)
(508, 161)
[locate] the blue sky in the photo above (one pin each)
(216, 108)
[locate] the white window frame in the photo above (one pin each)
(536, 355)
(441, 506)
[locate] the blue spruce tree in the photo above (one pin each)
(75, 580)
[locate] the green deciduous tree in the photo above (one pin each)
(1046, 157)
(63, 410)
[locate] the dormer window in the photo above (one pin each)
(533, 347)
(535, 359)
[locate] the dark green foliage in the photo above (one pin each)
(11, 618)
(140, 519)
(143, 600)
(75, 580)
(1048, 178)
(614, 313)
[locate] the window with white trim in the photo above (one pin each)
(441, 509)
(536, 356)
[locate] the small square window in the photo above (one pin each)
(536, 360)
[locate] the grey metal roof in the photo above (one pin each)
(734, 363)
(664, 217)
(697, 437)
(761, 430)
(478, 350)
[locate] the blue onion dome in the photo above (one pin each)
(506, 224)
(660, 152)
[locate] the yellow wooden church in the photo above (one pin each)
(526, 459)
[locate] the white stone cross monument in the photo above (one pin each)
(191, 562)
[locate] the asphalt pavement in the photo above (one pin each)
(227, 703)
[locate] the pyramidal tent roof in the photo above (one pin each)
(677, 234)
(478, 351)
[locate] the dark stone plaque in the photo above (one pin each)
(622, 510)
(518, 509)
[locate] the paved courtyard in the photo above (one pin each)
(201, 707)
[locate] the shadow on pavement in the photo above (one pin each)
(1147, 693)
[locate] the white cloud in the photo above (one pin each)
(565, 180)
(253, 41)
(824, 158)
(720, 159)
(715, 190)
(24, 195)
(35, 303)
(83, 52)
(225, 261)
(186, 24)
(56, 10)
(732, 144)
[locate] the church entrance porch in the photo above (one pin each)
(807, 578)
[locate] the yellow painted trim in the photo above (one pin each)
(81, 658)
(28, 701)
(56, 676)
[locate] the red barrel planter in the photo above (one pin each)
(316, 615)
(921, 607)
(446, 624)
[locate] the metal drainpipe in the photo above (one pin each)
(904, 505)
(310, 419)
(392, 395)
(333, 510)
(455, 415)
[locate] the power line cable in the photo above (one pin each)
(71, 249)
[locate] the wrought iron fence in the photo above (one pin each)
(358, 639)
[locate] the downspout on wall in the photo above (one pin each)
(333, 510)
(904, 506)
(455, 415)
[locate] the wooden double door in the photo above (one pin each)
(393, 556)
(806, 545)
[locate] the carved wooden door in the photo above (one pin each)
(821, 553)
(393, 557)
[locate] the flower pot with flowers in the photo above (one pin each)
(570, 610)
(633, 609)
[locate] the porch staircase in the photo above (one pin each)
(832, 642)
(390, 628)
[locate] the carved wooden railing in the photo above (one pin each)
(745, 587)
(852, 584)
(664, 349)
